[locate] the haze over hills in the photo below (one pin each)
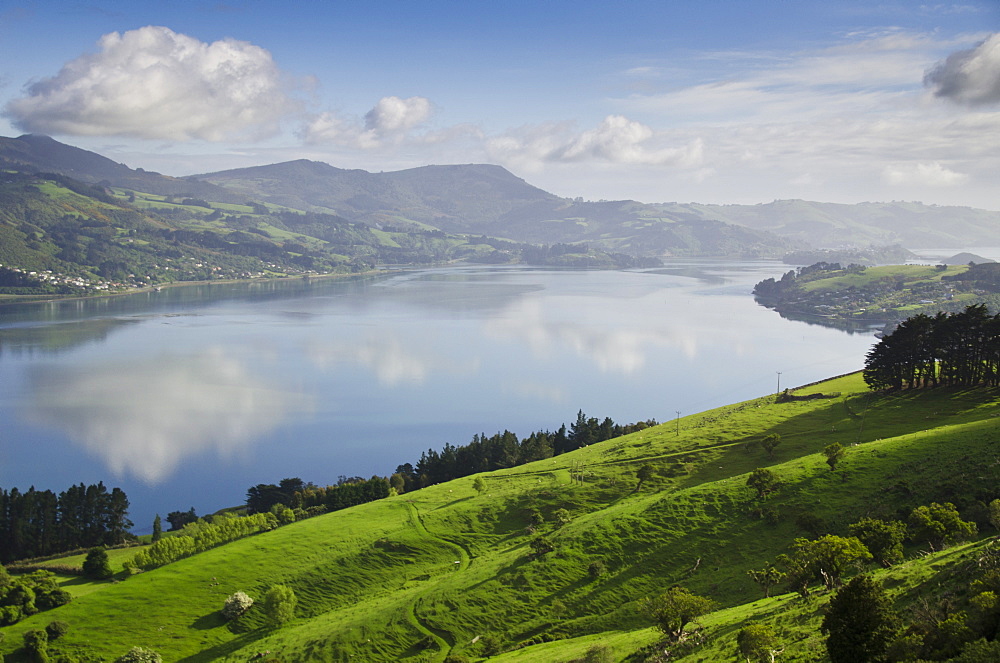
(830, 225)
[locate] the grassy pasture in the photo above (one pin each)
(447, 570)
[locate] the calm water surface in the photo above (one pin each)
(188, 396)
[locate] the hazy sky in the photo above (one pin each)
(718, 101)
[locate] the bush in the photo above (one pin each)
(139, 655)
(596, 569)
(235, 605)
(279, 605)
(56, 629)
(599, 654)
(36, 641)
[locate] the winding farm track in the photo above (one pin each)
(445, 640)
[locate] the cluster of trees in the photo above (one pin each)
(346, 493)
(306, 499)
(200, 536)
(27, 594)
(861, 623)
(946, 349)
(503, 450)
(772, 289)
(37, 523)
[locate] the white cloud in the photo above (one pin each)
(389, 122)
(922, 174)
(616, 139)
(155, 83)
(394, 115)
(969, 77)
(143, 418)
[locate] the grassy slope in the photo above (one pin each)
(415, 576)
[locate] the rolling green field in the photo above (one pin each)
(448, 570)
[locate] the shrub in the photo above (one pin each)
(279, 605)
(235, 605)
(596, 569)
(139, 655)
(56, 629)
(599, 654)
(36, 641)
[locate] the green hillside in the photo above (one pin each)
(447, 570)
(858, 295)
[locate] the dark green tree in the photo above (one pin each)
(644, 474)
(764, 481)
(769, 443)
(884, 539)
(860, 622)
(157, 529)
(834, 454)
(36, 643)
(96, 565)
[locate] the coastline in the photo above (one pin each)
(10, 300)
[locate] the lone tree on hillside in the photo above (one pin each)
(96, 564)
(757, 643)
(767, 577)
(860, 622)
(157, 529)
(644, 474)
(676, 608)
(769, 443)
(764, 481)
(479, 484)
(834, 454)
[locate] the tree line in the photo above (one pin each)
(305, 499)
(960, 349)
(503, 450)
(37, 523)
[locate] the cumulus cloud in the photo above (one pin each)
(923, 174)
(616, 139)
(155, 83)
(393, 115)
(143, 419)
(390, 121)
(970, 77)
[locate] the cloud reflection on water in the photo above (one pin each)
(143, 417)
(392, 363)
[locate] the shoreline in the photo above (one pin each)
(48, 299)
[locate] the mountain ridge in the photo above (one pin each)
(489, 200)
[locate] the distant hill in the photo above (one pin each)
(489, 200)
(833, 225)
(40, 154)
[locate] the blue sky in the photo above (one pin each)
(739, 101)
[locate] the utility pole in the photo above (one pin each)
(779, 382)
(678, 422)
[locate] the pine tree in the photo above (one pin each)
(157, 529)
